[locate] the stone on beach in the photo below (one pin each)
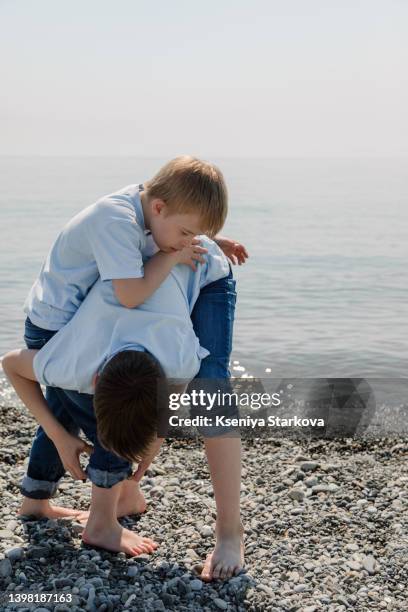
(326, 527)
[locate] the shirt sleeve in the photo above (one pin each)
(216, 264)
(117, 241)
(39, 366)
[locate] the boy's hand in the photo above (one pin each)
(190, 254)
(69, 448)
(235, 251)
(147, 460)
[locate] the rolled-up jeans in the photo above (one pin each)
(213, 319)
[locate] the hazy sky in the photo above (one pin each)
(155, 78)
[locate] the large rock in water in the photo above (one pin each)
(347, 406)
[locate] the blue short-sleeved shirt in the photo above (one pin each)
(106, 239)
(101, 327)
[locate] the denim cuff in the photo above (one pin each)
(217, 432)
(106, 480)
(38, 489)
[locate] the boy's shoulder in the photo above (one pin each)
(127, 197)
(121, 205)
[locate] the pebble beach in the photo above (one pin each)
(326, 528)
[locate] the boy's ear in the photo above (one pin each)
(158, 206)
(95, 379)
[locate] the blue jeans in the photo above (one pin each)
(212, 317)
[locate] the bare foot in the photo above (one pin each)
(226, 560)
(41, 508)
(118, 539)
(131, 501)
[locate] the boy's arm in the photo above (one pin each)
(18, 366)
(155, 446)
(235, 251)
(132, 292)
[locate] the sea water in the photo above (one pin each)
(325, 290)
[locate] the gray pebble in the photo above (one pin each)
(12, 525)
(306, 555)
(309, 466)
(322, 488)
(91, 598)
(220, 603)
(36, 552)
(157, 491)
(168, 599)
(129, 600)
(5, 568)
(206, 531)
(354, 565)
(196, 584)
(369, 564)
(60, 583)
(142, 558)
(265, 589)
(22, 577)
(15, 554)
(296, 494)
(311, 481)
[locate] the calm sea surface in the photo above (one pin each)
(325, 291)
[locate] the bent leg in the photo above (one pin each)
(105, 469)
(45, 468)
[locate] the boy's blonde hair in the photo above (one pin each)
(187, 184)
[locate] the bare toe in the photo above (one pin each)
(206, 573)
(223, 572)
(133, 551)
(216, 571)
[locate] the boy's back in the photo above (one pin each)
(185, 198)
(102, 327)
(105, 239)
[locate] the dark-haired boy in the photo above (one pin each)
(162, 327)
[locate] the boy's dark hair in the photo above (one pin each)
(129, 393)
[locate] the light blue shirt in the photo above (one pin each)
(101, 327)
(105, 239)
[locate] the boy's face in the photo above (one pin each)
(173, 231)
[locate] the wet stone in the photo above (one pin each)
(5, 568)
(326, 551)
(220, 603)
(15, 554)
